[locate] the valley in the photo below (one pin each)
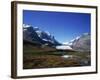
(48, 57)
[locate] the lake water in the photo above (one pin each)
(67, 56)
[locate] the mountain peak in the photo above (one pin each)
(48, 33)
(36, 34)
(85, 33)
(36, 28)
(81, 42)
(26, 25)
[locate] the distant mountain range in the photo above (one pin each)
(35, 35)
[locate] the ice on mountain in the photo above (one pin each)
(26, 26)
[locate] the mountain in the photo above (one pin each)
(81, 43)
(34, 34)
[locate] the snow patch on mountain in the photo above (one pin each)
(45, 39)
(48, 33)
(77, 38)
(38, 32)
(26, 25)
(71, 41)
(36, 28)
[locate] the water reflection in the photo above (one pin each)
(67, 56)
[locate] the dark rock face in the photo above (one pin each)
(35, 34)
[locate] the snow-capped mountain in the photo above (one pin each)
(32, 34)
(81, 43)
(70, 43)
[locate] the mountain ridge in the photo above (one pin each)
(31, 33)
(80, 43)
(34, 35)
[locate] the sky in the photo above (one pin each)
(65, 26)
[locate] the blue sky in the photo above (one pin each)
(65, 26)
